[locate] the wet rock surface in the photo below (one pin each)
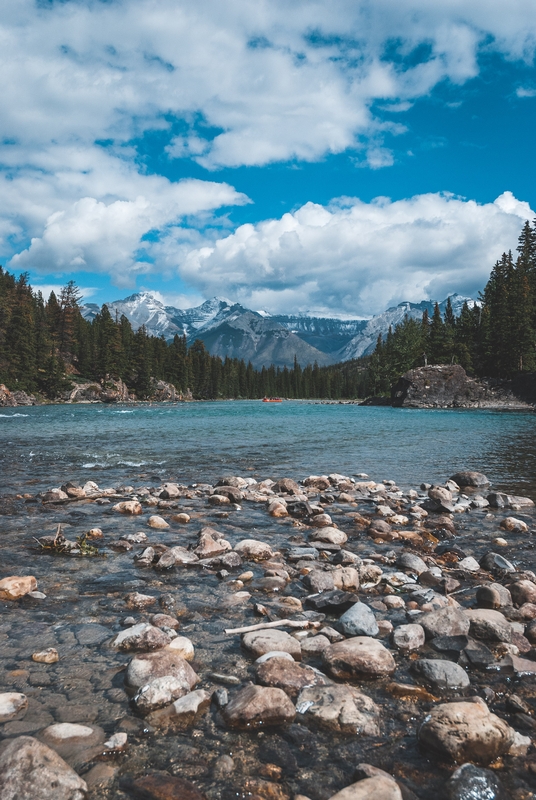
(178, 646)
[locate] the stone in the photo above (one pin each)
(146, 667)
(29, 770)
(135, 600)
(496, 564)
(277, 508)
(49, 656)
(319, 581)
(14, 587)
(320, 521)
(470, 782)
(320, 482)
(441, 674)
(313, 646)
(359, 657)
(256, 706)
(11, 705)
(340, 708)
(408, 637)
(183, 647)
(286, 486)
(286, 674)
(128, 507)
(254, 550)
(211, 543)
(376, 788)
(160, 786)
(447, 621)
(175, 556)
(346, 579)
(157, 522)
(412, 563)
(67, 737)
(514, 524)
(478, 655)
(442, 497)
(488, 624)
(488, 597)
(469, 564)
(264, 641)
(450, 646)
(218, 500)
(182, 518)
(359, 620)
(335, 601)
(329, 535)
(465, 731)
(143, 637)
(165, 621)
(469, 478)
(117, 742)
(160, 692)
(184, 712)
(523, 591)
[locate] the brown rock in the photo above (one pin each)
(257, 706)
(447, 621)
(286, 486)
(376, 788)
(523, 592)
(14, 587)
(287, 675)
(358, 657)
(161, 786)
(486, 623)
(340, 708)
(466, 732)
(128, 507)
(269, 640)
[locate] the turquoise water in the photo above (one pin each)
(46, 445)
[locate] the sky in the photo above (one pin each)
(335, 157)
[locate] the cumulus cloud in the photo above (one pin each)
(360, 257)
(227, 82)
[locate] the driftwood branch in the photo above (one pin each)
(279, 623)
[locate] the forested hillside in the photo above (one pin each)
(45, 346)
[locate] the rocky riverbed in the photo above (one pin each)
(333, 637)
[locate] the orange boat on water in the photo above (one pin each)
(272, 400)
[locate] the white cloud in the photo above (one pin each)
(524, 91)
(247, 83)
(360, 258)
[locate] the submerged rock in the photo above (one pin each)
(469, 782)
(360, 657)
(265, 641)
(466, 732)
(259, 705)
(29, 770)
(148, 666)
(340, 708)
(14, 587)
(12, 704)
(287, 674)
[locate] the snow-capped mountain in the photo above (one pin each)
(365, 341)
(231, 330)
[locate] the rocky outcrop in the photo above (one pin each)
(12, 399)
(109, 391)
(449, 386)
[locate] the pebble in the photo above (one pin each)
(265, 641)
(11, 705)
(30, 769)
(49, 656)
(359, 620)
(359, 657)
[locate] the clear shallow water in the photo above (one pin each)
(203, 441)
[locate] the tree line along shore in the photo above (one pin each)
(47, 348)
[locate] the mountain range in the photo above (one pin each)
(229, 329)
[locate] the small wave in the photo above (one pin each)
(10, 416)
(123, 411)
(132, 463)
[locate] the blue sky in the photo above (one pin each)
(335, 157)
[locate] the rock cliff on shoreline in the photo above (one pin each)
(450, 387)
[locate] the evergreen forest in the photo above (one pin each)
(46, 346)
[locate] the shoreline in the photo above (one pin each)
(325, 562)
